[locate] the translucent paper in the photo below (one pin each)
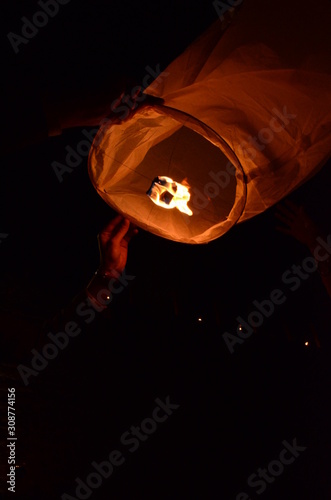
(246, 119)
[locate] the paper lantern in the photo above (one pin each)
(243, 119)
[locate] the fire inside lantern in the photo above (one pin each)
(167, 193)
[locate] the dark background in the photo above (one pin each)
(235, 409)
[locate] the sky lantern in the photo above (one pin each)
(241, 119)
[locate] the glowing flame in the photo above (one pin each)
(167, 193)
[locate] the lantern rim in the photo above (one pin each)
(197, 126)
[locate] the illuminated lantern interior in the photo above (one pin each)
(159, 140)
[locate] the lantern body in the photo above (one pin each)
(245, 119)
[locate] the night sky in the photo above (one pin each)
(235, 410)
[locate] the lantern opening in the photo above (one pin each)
(168, 157)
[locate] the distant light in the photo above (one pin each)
(307, 343)
(200, 319)
(240, 327)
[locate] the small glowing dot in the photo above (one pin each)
(306, 343)
(199, 319)
(240, 327)
(108, 297)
